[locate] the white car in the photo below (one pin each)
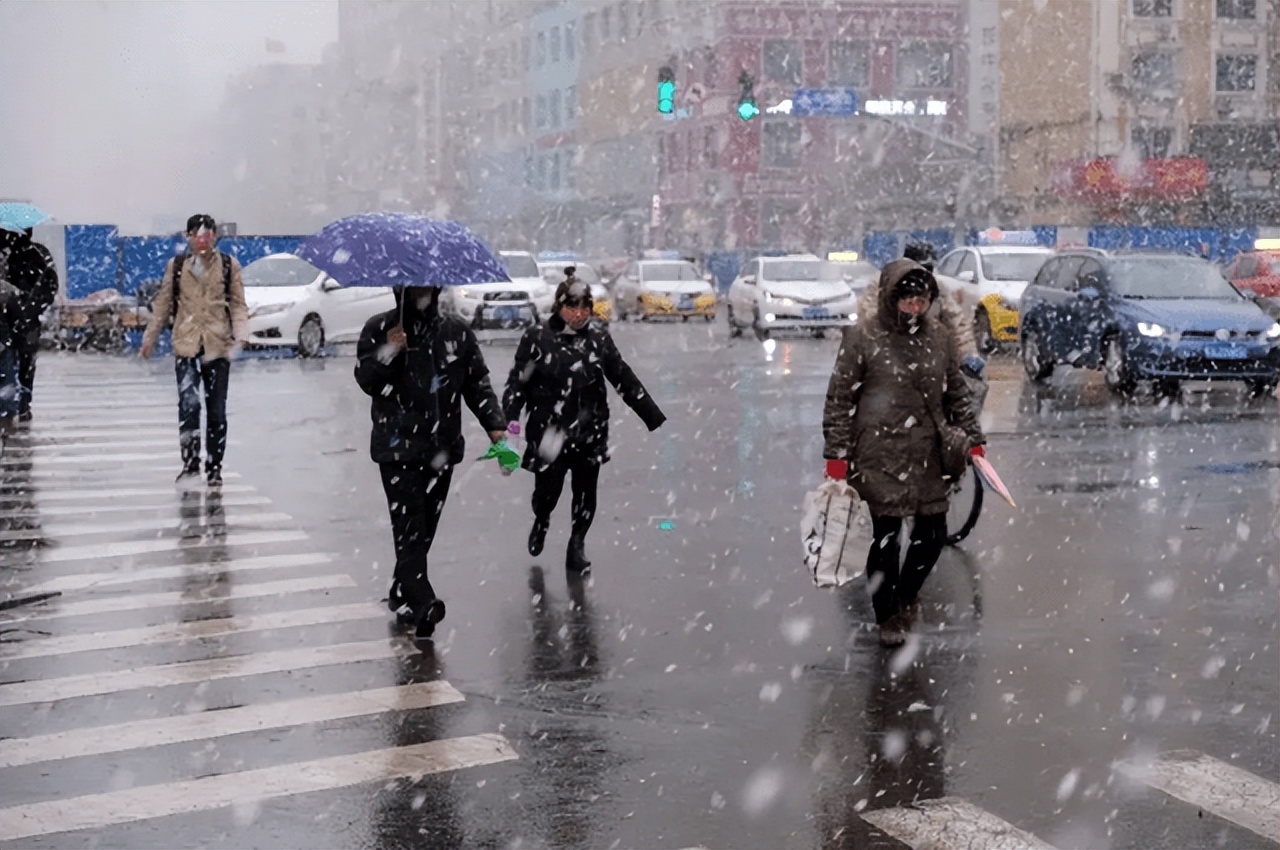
(664, 288)
(988, 281)
(292, 304)
(524, 300)
(602, 302)
(792, 292)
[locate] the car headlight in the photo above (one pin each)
(269, 310)
(1150, 329)
(461, 292)
(1273, 332)
(770, 298)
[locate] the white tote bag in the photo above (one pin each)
(836, 531)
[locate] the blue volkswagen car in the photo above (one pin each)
(1145, 316)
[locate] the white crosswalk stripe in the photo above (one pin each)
(1214, 786)
(89, 478)
(948, 823)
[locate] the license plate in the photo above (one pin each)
(686, 303)
(1225, 351)
(817, 313)
(506, 313)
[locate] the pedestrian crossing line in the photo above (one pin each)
(63, 530)
(184, 632)
(47, 495)
(93, 581)
(159, 731)
(45, 511)
(95, 458)
(40, 448)
(105, 431)
(138, 601)
(130, 548)
(251, 786)
(91, 404)
(45, 477)
(1216, 787)
(949, 823)
(196, 672)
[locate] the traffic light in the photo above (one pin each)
(666, 90)
(747, 108)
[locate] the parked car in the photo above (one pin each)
(664, 288)
(1256, 272)
(1145, 316)
(503, 305)
(988, 282)
(292, 304)
(602, 302)
(795, 291)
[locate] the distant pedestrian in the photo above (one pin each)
(895, 387)
(561, 375)
(417, 367)
(202, 297)
(31, 271)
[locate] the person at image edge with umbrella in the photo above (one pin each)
(417, 366)
(895, 387)
(561, 374)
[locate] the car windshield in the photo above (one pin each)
(279, 271)
(554, 273)
(668, 271)
(1169, 277)
(1012, 266)
(850, 272)
(792, 270)
(520, 265)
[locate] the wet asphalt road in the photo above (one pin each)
(696, 690)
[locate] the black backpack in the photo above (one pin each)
(180, 261)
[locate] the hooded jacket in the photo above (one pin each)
(416, 395)
(562, 378)
(32, 272)
(890, 386)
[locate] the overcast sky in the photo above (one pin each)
(104, 104)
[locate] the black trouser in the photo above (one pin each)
(25, 345)
(415, 498)
(548, 484)
(214, 374)
(893, 587)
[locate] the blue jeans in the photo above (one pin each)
(213, 374)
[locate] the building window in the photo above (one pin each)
(780, 144)
(540, 113)
(605, 24)
(780, 223)
(782, 61)
(1236, 72)
(540, 173)
(570, 42)
(1153, 71)
(540, 50)
(624, 19)
(1152, 142)
(588, 31)
(524, 53)
(1153, 8)
(849, 64)
(555, 171)
(570, 168)
(554, 108)
(1237, 9)
(555, 45)
(923, 65)
(709, 147)
(571, 103)
(526, 115)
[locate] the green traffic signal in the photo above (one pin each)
(666, 96)
(747, 110)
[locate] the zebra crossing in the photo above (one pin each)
(138, 617)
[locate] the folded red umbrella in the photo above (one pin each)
(989, 477)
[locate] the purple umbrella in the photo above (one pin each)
(397, 249)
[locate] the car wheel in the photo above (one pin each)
(734, 330)
(1169, 388)
(310, 336)
(1034, 362)
(1115, 367)
(982, 336)
(1261, 387)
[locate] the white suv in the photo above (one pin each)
(525, 300)
(795, 291)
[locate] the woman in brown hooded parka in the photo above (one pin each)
(896, 380)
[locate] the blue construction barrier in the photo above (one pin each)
(1216, 244)
(93, 261)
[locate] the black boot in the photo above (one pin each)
(576, 558)
(431, 613)
(537, 536)
(399, 606)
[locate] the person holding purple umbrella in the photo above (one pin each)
(418, 367)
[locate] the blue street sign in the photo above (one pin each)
(839, 102)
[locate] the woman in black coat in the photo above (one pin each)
(417, 367)
(561, 374)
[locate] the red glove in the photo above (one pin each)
(838, 469)
(978, 451)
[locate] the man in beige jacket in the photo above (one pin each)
(202, 295)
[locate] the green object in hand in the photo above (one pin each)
(507, 457)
